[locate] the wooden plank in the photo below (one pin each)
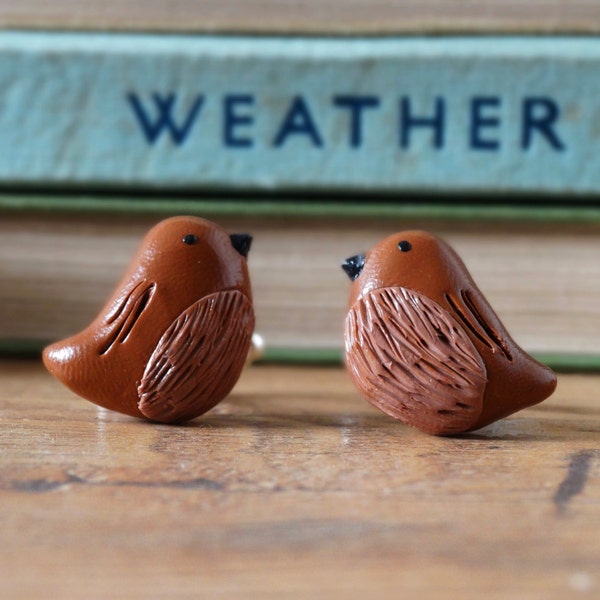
(308, 16)
(294, 487)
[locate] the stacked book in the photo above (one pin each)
(319, 128)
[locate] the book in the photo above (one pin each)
(308, 16)
(448, 115)
(537, 266)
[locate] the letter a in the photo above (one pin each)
(298, 120)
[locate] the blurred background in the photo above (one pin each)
(317, 127)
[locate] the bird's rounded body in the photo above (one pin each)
(424, 345)
(172, 340)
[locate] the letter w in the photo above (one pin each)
(164, 117)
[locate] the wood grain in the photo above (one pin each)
(308, 16)
(294, 487)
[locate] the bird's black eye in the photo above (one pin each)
(404, 246)
(189, 239)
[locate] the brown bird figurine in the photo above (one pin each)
(172, 340)
(423, 345)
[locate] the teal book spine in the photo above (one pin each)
(456, 115)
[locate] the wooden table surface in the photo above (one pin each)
(294, 487)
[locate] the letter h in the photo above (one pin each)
(435, 122)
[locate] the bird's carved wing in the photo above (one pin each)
(198, 359)
(125, 313)
(471, 309)
(413, 360)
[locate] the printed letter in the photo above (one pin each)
(356, 105)
(298, 120)
(233, 121)
(480, 121)
(436, 122)
(540, 114)
(164, 119)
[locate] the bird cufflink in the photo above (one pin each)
(423, 345)
(173, 339)
(421, 342)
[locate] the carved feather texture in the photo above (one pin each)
(125, 315)
(473, 318)
(412, 360)
(198, 359)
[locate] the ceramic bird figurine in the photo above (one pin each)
(423, 345)
(172, 340)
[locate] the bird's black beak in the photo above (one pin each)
(241, 242)
(354, 265)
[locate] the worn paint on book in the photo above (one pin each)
(435, 115)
